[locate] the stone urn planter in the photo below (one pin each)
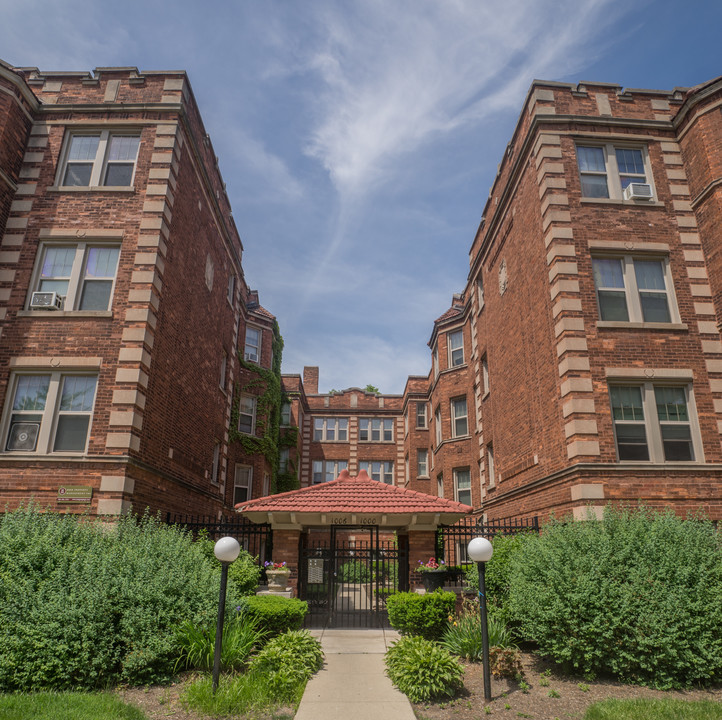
(278, 579)
(433, 579)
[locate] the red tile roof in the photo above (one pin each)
(450, 313)
(353, 495)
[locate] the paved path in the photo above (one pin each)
(352, 684)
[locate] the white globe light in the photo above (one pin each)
(227, 549)
(480, 550)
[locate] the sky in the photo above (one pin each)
(359, 138)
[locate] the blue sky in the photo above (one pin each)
(359, 139)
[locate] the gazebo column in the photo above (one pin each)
(285, 549)
(422, 546)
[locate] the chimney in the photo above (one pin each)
(310, 380)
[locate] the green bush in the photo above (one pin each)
(243, 574)
(463, 636)
(354, 571)
(274, 613)
(637, 595)
(422, 670)
(85, 604)
(241, 635)
(426, 615)
(386, 571)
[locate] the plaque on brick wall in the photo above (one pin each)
(75, 494)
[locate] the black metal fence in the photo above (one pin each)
(255, 538)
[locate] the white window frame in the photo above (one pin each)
(652, 424)
(286, 414)
(632, 293)
(407, 470)
(457, 417)
(458, 490)
(326, 469)
(437, 426)
(376, 430)
(490, 466)
(421, 415)
(485, 375)
(231, 289)
(380, 470)
(77, 277)
(100, 162)
(612, 173)
(252, 415)
(247, 483)
(480, 289)
(435, 361)
(440, 485)
(251, 352)
(455, 348)
(325, 427)
(46, 437)
(422, 463)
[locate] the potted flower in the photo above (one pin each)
(277, 575)
(433, 574)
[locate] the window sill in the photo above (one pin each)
(332, 442)
(614, 324)
(619, 201)
(92, 188)
(485, 395)
(66, 313)
(423, 477)
(380, 442)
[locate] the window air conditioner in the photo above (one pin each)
(23, 436)
(638, 191)
(46, 301)
(251, 357)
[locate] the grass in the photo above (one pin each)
(66, 706)
(654, 710)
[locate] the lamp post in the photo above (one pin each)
(481, 550)
(226, 550)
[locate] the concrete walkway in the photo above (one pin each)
(352, 684)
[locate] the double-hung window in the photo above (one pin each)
(437, 426)
(284, 455)
(286, 414)
(382, 471)
(459, 417)
(376, 430)
(99, 159)
(82, 274)
(422, 463)
(242, 484)
(653, 423)
(247, 414)
(327, 470)
(485, 374)
(480, 289)
(456, 348)
(462, 485)
(252, 350)
(420, 414)
(634, 289)
(605, 171)
(50, 412)
(330, 430)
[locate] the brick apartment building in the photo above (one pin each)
(123, 304)
(581, 363)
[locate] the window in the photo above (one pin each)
(82, 274)
(462, 486)
(490, 466)
(283, 458)
(325, 471)
(286, 414)
(252, 351)
(480, 289)
(632, 289)
(422, 461)
(231, 288)
(435, 361)
(376, 430)
(485, 374)
(652, 422)
(224, 365)
(330, 429)
(242, 484)
(266, 484)
(406, 423)
(216, 463)
(407, 474)
(50, 412)
(420, 414)
(456, 348)
(437, 425)
(247, 414)
(440, 485)
(94, 159)
(606, 170)
(381, 471)
(459, 417)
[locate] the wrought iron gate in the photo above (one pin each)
(346, 574)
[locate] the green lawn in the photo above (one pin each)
(66, 706)
(654, 710)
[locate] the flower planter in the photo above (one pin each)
(277, 579)
(433, 579)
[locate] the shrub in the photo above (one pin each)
(274, 613)
(387, 571)
(198, 643)
(637, 595)
(354, 571)
(505, 662)
(422, 670)
(243, 574)
(463, 637)
(84, 604)
(426, 615)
